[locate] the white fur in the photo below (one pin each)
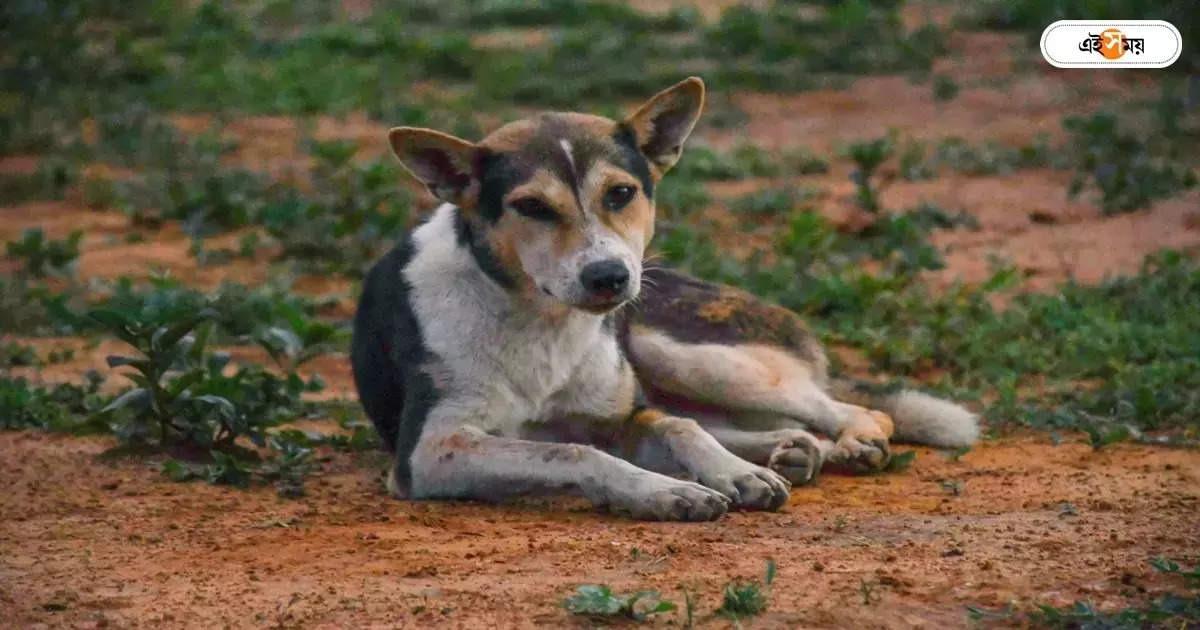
(923, 419)
(566, 147)
(499, 361)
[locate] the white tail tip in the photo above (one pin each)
(923, 419)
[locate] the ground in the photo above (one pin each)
(89, 542)
(89, 539)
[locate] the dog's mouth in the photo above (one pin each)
(600, 306)
(595, 304)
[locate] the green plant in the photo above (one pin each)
(288, 468)
(1170, 567)
(1169, 611)
(1129, 171)
(42, 256)
(50, 181)
(361, 435)
(868, 157)
(986, 158)
(944, 88)
(1102, 434)
(956, 454)
(676, 198)
(742, 162)
(184, 392)
(13, 354)
(746, 598)
(803, 162)
(596, 600)
(61, 407)
(913, 165)
(354, 211)
(900, 462)
(689, 606)
(771, 202)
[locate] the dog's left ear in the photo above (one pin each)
(661, 125)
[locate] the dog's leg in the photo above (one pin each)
(468, 463)
(794, 453)
(664, 442)
(753, 381)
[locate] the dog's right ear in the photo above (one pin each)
(445, 164)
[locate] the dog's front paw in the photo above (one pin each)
(750, 487)
(677, 501)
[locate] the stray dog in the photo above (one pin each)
(516, 343)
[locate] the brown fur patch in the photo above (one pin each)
(634, 222)
(693, 311)
(647, 417)
(512, 136)
(458, 443)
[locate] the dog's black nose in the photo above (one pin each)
(606, 278)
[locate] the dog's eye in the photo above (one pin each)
(618, 197)
(535, 209)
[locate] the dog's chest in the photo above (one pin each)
(490, 353)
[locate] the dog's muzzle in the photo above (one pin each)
(606, 283)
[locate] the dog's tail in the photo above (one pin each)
(919, 418)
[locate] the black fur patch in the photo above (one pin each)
(480, 252)
(387, 353)
(693, 311)
(497, 175)
(631, 158)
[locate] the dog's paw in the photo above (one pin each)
(863, 446)
(750, 487)
(678, 501)
(859, 456)
(797, 458)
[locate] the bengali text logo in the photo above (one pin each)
(1111, 44)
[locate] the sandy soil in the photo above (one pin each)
(94, 541)
(88, 542)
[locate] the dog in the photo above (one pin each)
(516, 342)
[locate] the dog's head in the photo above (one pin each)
(560, 206)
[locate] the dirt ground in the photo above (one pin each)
(92, 541)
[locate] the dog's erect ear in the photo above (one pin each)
(445, 164)
(662, 124)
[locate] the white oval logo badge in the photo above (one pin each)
(1111, 44)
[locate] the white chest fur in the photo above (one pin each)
(498, 363)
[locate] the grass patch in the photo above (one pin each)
(64, 407)
(273, 59)
(1129, 170)
(1171, 610)
(41, 256)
